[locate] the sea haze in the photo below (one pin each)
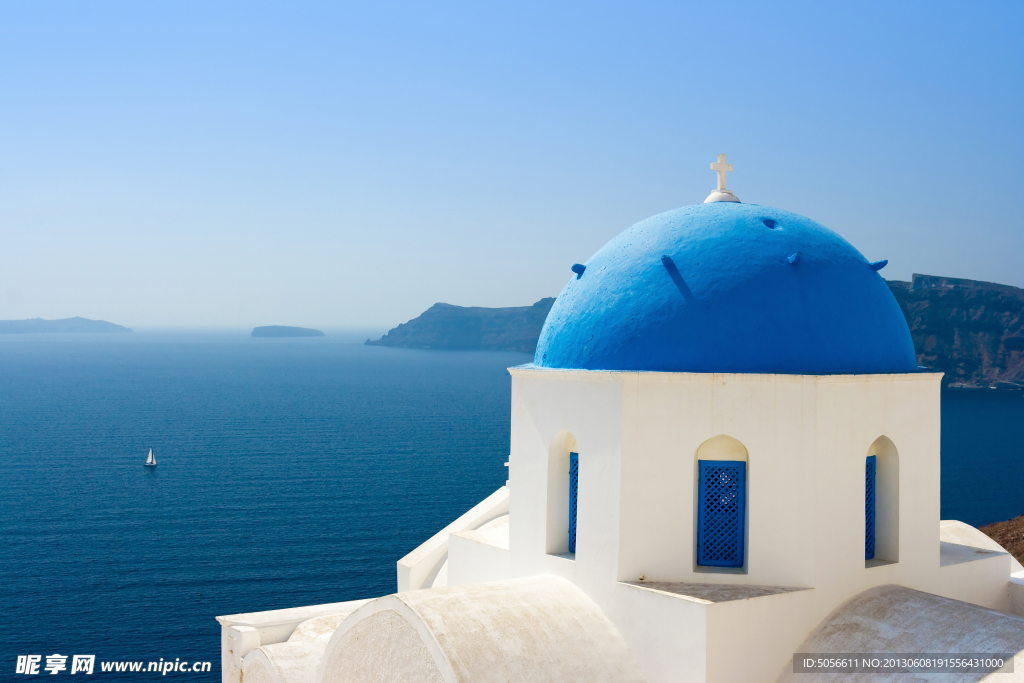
(291, 472)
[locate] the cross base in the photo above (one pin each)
(721, 196)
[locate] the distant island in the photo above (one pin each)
(971, 330)
(444, 326)
(285, 331)
(40, 326)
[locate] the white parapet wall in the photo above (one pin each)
(479, 555)
(242, 633)
(420, 568)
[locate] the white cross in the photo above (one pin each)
(722, 169)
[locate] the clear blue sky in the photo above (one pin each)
(237, 164)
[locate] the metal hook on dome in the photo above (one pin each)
(578, 268)
(878, 265)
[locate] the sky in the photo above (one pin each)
(219, 164)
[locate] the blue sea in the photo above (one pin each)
(291, 472)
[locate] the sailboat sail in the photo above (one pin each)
(151, 460)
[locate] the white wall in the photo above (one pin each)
(543, 409)
(806, 438)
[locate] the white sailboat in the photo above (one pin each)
(151, 459)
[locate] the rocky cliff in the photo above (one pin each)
(973, 331)
(1009, 534)
(443, 326)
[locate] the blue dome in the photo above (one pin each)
(727, 287)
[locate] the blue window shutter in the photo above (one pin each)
(869, 509)
(721, 514)
(574, 479)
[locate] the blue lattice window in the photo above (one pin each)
(574, 480)
(870, 472)
(721, 503)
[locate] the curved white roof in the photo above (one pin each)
(895, 619)
(532, 630)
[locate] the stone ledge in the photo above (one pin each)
(710, 593)
(954, 553)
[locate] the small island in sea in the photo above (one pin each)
(65, 325)
(285, 331)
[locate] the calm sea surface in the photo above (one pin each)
(291, 472)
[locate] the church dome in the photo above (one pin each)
(727, 287)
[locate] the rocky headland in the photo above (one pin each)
(444, 326)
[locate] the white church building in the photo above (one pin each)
(724, 453)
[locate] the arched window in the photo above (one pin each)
(882, 503)
(721, 502)
(563, 478)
